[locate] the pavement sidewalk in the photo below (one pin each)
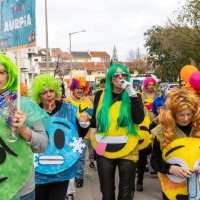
(91, 189)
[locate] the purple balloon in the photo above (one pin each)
(194, 80)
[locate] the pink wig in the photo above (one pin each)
(147, 81)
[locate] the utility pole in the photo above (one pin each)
(47, 40)
(70, 49)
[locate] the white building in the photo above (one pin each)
(24, 59)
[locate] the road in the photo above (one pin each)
(91, 191)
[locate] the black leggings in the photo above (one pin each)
(141, 164)
(106, 170)
(51, 191)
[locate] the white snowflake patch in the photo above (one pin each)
(77, 145)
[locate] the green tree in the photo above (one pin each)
(185, 31)
(178, 43)
(159, 55)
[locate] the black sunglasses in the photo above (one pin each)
(117, 74)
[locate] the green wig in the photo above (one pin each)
(42, 82)
(11, 69)
(125, 118)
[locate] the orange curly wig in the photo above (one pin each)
(178, 100)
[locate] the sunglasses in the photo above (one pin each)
(117, 74)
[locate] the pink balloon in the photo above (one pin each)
(194, 80)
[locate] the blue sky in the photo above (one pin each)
(107, 23)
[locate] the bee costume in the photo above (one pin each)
(176, 154)
(116, 117)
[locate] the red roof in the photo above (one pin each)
(65, 55)
(94, 65)
(101, 54)
(55, 52)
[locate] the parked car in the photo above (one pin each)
(170, 87)
(162, 87)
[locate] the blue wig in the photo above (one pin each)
(159, 101)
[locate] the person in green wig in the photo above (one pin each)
(52, 178)
(114, 133)
(22, 132)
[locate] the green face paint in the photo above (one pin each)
(16, 163)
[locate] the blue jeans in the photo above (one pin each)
(81, 161)
(91, 151)
(29, 196)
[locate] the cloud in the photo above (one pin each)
(107, 22)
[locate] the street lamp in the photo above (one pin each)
(70, 49)
(47, 40)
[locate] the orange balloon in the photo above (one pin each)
(187, 71)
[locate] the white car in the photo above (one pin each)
(170, 87)
(162, 87)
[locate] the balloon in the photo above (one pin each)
(187, 71)
(195, 80)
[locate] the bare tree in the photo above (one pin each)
(134, 55)
(60, 72)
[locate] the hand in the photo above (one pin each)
(19, 124)
(84, 124)
(179, 171)
(84, 120)
(156, 121)
(83, 117)
(129, 88)
(19, 120)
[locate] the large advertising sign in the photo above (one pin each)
(17, 24)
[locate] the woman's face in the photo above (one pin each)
(48, 96)
(78, 92)
(3, 78)
(184, 117)
(150, 87)
(159, 109)
(117, 77)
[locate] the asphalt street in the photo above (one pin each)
(91, 191)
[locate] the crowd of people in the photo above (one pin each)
(122, 129)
